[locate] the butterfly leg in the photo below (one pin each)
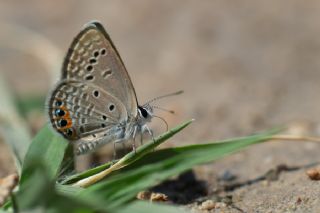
(150, 133)
(114, 153)
(134, 139)
(141, 137)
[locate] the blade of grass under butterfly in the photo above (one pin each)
(131, 157)
(162, 164)
(82, 175)
(47, 147)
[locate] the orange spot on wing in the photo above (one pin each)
(66, 117)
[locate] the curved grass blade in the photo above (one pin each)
(162, 164)
(132, 156)
(82, 175)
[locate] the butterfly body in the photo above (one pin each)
(95, 102)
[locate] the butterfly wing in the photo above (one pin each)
(93, 57)
(76, 111)
(95, 93)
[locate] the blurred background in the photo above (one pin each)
(245, 66)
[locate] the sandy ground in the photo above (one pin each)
(245, 67)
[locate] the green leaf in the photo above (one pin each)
(36, 189)
(162, 164)
(67, 189)
(47, 147)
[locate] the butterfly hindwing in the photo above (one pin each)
(76, 107)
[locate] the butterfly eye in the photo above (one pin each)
(144, 112)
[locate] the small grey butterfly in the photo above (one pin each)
(94, 102)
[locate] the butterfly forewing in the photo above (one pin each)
(95, 93)
(93, 58)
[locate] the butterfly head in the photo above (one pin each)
(145, 113)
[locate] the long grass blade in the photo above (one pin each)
(162, 164)
(132, 156)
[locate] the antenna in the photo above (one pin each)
(164, 96)
(163, 109)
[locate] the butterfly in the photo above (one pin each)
(94, 102)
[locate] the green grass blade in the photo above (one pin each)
(76, 177)
(36, 189)
(146, 148)
(126, 160)
(47, 147)
(162, 164)
(202, 152)
(67, 189)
